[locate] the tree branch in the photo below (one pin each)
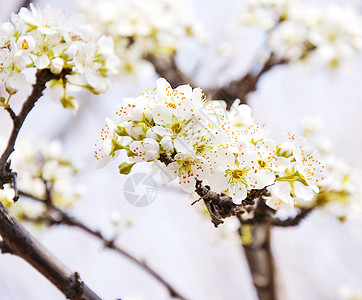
(24, 3)
(16, 240)
(56, 216)
(241, 88)
(260, 261)
(293, 221)
(237, 89)
(42, 77)
(220, 206)
(167, 68)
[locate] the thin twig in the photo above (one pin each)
(219, 205)
(56, 216)
(11, 113)
(16, 240)
(42, 77)
(293, 221)
(24, 3)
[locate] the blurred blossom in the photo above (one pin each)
(48, 38)
(325, 35)
(350, 293)
(41, 164)
(143, 27)
(341, 193)
(121, 223)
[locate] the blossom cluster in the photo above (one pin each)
(297, 31)
(141, 28)
(48, 38)
(224, 149)
(341, 193)
(41, 169)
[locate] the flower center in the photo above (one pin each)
(237, 174)
(262, 163)
(171, 105)
(25, 45)
(176, 128)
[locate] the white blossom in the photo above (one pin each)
(325, 34)
(226, 150)
(142, 28)
(38, 162)
(47, 38)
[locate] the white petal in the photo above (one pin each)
(161, 114)
(302, 191)
(238, 192)
(162, 131)
(183, 147)
(162, 85)
(185, 89)
(17, 81)
(283, 189)
(281, 163)
(218, 182)
(188, 184)
(262, 178)
(42, 62)
(166, 143)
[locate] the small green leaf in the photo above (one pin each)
(68, 101)
(121, 130)
(125, 168)
(117, 146)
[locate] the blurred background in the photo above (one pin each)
(315, 260)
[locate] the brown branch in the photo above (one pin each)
(42, 77)
(11, 113)
(16, 240)
(237, 89)
(24, 3)
(263, 214)
(260, 261)
(56, 216)
(293, 221)
(241, 88)
(258, 251)
(220, 206)
(168, 69)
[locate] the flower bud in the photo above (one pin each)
(166, 143)
(56, 65)
(286, 149)
(71, 51)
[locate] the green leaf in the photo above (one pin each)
(117, 146)
(68, 101)
(121, 130)
(125, 168)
